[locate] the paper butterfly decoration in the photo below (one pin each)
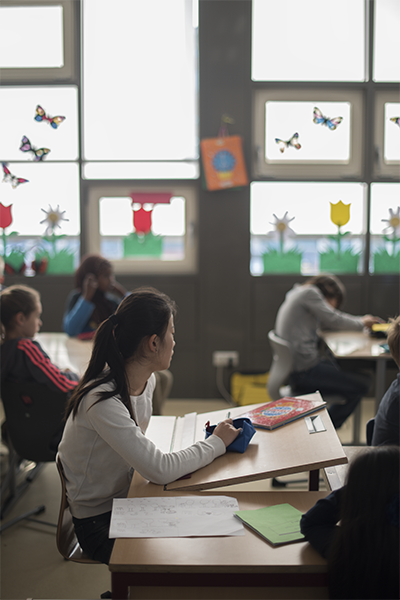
(292, 142)
(39, 153)
(9, 177)
(320, 119)
(395, 120)
(53, 121)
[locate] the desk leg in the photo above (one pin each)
(313, 481)
(380, 382)
(119, 586)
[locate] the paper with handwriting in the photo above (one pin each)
(180, 516)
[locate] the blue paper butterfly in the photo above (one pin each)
(320, 119)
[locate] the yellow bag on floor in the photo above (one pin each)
(249, 388)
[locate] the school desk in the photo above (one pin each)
(352, 345)
(66, 352)
(231, 567)
(335, 477)
(283, 451)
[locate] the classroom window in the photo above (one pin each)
(144, 230)
(387, 40)
(387, 134)
(37, 41)
(40, 192)
(140, 89)
(308, 133)
(306, 228)
(308, 40)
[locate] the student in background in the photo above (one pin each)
(387, 419)
(95, 299)
(22, 358)
(363, 551)
(306, 308)
(107, 417)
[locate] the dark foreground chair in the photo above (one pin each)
(33, 429)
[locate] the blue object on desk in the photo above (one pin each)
(243, 439)
(385, 347)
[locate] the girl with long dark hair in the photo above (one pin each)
(107, 416)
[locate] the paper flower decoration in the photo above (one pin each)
(393, 222)
(53, 219)
(5, 216)
(282, 229)
(340, 213)
(142, 220)
(393, 227)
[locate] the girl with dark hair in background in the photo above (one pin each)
(95, 299)
(307, 308)
(107, 417)
(363, 551)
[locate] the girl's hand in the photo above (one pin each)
(89, 286)
(226, 431)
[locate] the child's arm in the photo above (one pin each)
(76, 318)
(318, 525)
(42, 370)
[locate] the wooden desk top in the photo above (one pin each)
(288, 449)
(355, 344)
(66, 352)
(241, 554)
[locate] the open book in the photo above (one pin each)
(279, 412)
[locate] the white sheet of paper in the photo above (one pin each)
(181, 516)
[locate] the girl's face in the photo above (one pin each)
(105, 279)
(166, 349)
(30, 325)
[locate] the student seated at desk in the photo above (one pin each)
(23, 359)
(363, 551)
(95, 299)
(104, 436)
(307, 308)
(387, 419)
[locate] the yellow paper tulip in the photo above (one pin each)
(340, 213)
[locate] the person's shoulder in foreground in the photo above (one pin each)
(387, 419)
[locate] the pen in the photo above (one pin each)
(228, 415)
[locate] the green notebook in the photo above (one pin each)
(278, 524)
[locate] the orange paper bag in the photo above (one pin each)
(223, 162)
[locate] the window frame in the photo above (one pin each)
(47, 75)
(303, 170)
(382, 170)
(91, 228)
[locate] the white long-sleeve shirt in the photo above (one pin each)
(102, 446)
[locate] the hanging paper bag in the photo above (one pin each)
(223, 162)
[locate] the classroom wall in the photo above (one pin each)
(222, 307)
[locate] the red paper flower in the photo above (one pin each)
(5, 216)
(142, 220)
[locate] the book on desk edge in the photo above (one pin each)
(278, 524)
(280, 412)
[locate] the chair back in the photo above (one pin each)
(370, 431)
(67, 542)
(34, 419)
(281, 365)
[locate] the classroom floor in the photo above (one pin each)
(31, 567)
